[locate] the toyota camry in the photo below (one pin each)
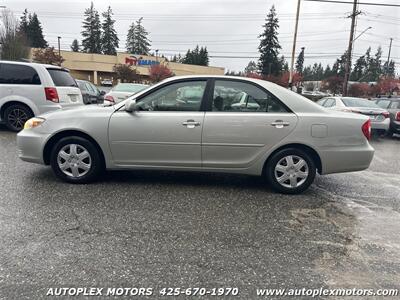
(196, 123)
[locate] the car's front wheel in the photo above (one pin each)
(290, 171)
(76, 160)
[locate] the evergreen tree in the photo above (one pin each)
(339, 67)
(197, 56)
(375, 66)
(91, 33)
(24, 23)
(109, 38)
(390, 68)
(35, 32)
(328, 72)
(75, 45)
(137, 41)
(300, 61)
(269, 63)
(251, 67)
(360, 69)
(203, 53)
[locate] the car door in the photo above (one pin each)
(236, 136)
(164, 131)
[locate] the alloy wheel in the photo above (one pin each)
(17, 118)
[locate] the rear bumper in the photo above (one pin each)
(346, 159)
(384, 125)
(30, 145)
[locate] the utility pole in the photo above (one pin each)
(350, 48)
(388, 61)
(294, 44)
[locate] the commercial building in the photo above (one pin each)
(97, 67)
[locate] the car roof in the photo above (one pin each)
(32, 64)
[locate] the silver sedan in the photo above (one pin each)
(192, 123)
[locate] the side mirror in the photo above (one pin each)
(130, 105)
(102, 93)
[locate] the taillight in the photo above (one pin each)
(109, 98)
(51, 94)
(366, 129)
(398, 116)
(386, 114)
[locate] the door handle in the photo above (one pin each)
(191, 123)
(280, 124)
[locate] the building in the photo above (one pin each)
(97, 67)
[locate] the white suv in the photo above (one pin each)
(30, 89)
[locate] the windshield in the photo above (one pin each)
(129, 87)
(358, 102)
(62, 77)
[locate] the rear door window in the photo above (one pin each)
(237, 96)
(62, 77)
(18, 74)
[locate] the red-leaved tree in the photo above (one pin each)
(160, 72)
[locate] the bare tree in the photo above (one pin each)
(13, 43)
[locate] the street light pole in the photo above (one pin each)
(364, 31)
(294, 45)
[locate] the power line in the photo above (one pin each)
(363, 3)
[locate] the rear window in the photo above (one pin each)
(62, 77)
(18, 74)
(357, 102)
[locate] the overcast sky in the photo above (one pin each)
(227, 27)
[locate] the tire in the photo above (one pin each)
(16, 115)
(79, 167)
(389, 133)
(297, 179)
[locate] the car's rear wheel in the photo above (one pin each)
(290, 171)
(16, 115)
(76, 160)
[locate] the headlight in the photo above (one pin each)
(34, 122)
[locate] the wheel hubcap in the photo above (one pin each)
(17, 118)
(74, 160)
(291, 171)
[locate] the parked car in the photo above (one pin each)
(287, 139)
(380, 120)
(90, 93)
(106, 82)
(393, 106)
(122, 91)
(30, 89)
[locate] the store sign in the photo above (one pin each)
(139, 61)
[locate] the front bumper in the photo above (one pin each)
(30, 145)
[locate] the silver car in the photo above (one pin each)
(122, 91)
(287, 139)
(380, 118)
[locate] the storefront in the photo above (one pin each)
(97, 67)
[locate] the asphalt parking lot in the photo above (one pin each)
(167, 229)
